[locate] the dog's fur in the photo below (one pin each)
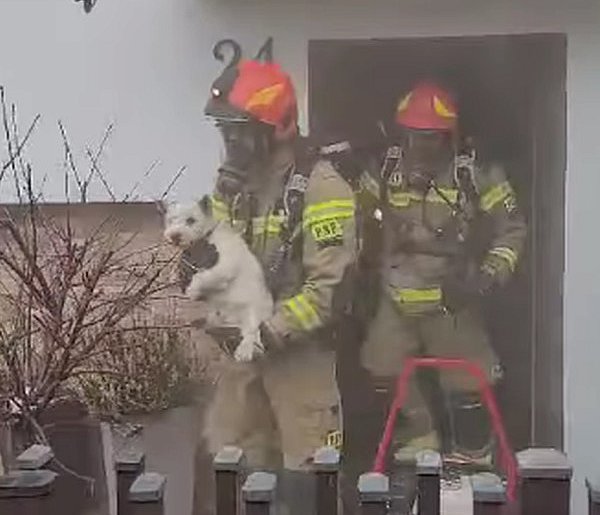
(234, 287)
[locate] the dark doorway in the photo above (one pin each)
(511, 94)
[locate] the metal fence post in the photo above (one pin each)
(34, 457)
(429, 468)
(489, 494)
(30, 489)
(146, 494)
(129, 464)
(545, 482)
(327, 465)
(374, 493)
(593, 488)
(227, 465)
(403, 484)
(259, 493)
(28, 492)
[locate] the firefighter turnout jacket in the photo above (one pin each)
(315, 276)
(448, 228)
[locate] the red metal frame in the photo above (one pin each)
(506, 455)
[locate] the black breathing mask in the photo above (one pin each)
(426, 154)
(247, 145)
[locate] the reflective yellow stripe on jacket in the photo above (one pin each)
(337, 209)
(417, 300)
(219, 209)
(404, 198)
(300, 310)
(443, 196)
(302, 313)
(267, 224)
(496, 194)
(400, 198)
(270, 224)
(507, 254)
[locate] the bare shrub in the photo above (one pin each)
(143, 369)
(76, 302)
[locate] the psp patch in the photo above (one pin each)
(334, 439)
(328, 232)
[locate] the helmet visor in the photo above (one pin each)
(220, 110)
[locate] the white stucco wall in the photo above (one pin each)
(582, 280)
(146, 66)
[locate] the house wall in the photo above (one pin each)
(145, 65)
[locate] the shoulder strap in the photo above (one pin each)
(346, 161)
(391, 165)
(296, 185)
(464, 173)
(293, 204)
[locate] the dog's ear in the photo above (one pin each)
(205, 205)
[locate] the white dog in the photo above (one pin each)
(233, 284)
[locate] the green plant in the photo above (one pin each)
(144, 368)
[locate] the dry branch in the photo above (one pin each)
(69, 294)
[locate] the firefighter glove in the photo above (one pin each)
(269, 336)
(457, 293)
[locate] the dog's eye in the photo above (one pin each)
(190, 220)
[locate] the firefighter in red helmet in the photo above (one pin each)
(296, 212)
(254, 106)
(451, 233)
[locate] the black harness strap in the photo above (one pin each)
(292, 202)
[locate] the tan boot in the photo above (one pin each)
(483, 460)
(406, 454)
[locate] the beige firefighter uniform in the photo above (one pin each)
(287, 405)
(423, 237)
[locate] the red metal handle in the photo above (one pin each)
(507, 458)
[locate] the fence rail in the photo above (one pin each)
(34, 487)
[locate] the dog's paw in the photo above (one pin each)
(248, 350)
(244, 353)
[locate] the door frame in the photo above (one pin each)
(546, 223)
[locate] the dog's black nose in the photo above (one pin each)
(176, 238)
